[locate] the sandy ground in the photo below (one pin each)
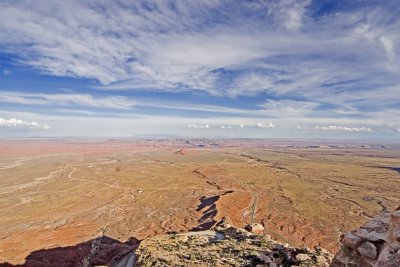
(58, 193)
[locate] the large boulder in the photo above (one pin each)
(254, 228)
(375, 244)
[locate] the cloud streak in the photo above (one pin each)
(292, 62)
(86, 100)
(342, 128)
(21, 124)
(265, 125)
(153, 45)
(198, 126)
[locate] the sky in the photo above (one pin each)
(200, 68)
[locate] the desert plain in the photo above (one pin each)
(59, 193)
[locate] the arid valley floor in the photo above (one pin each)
(57, 193)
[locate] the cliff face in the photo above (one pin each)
(225, 245)
(376, 243)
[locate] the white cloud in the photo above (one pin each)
(389, 47)
(290, 13)
(227, 127)
(21, 124)
(198, 126)
(343, 128)
(132, 124)
(381, 36)
(265, 125)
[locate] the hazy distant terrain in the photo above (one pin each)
(60, 193)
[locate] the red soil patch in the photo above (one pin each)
(232, 205)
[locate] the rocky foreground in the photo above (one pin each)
(375, 244)
(225, 245)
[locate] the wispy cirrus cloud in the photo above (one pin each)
(85, 100)
(173, 46)
(301, 62)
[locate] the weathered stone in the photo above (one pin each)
(379, 223)
(224, 223)
(369, 236)
(254, 228)
(380, 246)
(367, 249)
(396, 217)
(303, 257)
(389, 256)
(396, 233)
(350, 240)
(240, 248)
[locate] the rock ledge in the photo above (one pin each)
(225, 245)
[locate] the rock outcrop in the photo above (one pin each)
(254, 228)
(375, 244)
(225, 245)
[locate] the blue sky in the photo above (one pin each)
(212, 68)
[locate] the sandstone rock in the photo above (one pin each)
(380, 246)
(367, 249)
(350, 240)
(238, 248)
(396, 233)
(366, 234)
(396, 216)
(224, 223)
(254, 228)
(379, 223)
(389, 257)
(303, 257)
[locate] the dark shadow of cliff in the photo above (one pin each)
(208, 207)
(100, 251)
(396, 169)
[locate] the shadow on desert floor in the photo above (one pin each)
(100, 251)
